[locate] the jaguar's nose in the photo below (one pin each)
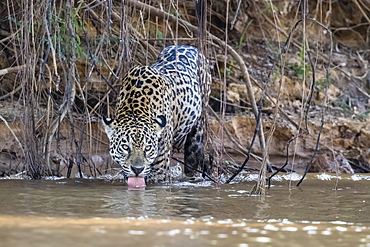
(137, 169)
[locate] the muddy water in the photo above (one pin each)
(83, 212)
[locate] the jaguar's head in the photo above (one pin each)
(134, 145)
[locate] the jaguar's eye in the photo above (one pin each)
(125, 147)
(147, 148)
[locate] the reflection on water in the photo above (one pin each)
(63, 212)
(38, 231)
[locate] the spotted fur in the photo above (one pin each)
(159, 108)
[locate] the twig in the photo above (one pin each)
(287, 157)
(362, 11)
(12, 69)
(308, 102)
(247, 158)
(91, 56)
(235, 16)
(268, 97)
(11, 93)
(259, 187)
(327, 80)
(11, 131)
(6, 38)
(224, 83)
(247, 152)
(232, 138)
(69, 94)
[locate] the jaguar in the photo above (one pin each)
(160, 108)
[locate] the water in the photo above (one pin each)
(324, 211)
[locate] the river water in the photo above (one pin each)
(325, 210)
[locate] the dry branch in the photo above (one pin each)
(12, 69)
(232, 138)
(11, 131)
(11, 93)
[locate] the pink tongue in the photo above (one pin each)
(136, 182)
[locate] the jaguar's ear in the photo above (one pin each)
(161, 123)
(108, 126)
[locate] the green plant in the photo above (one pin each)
(174, 12)
(228, 69)
(62, 36)
(276, 74)
(363, 116)
(342, 104)
(241, 39)
(321, 84)
(270, 8)
(301, 69)
(159, 35)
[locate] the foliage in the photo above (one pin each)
(244, 36)
(302, 69)
(363, 116)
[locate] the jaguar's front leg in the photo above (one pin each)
(194, 150)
